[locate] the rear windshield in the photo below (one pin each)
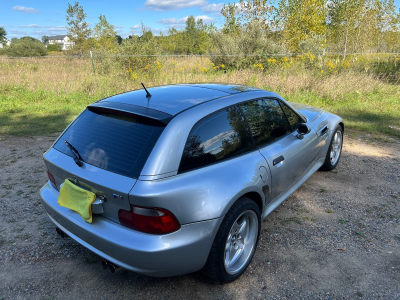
(111, 141)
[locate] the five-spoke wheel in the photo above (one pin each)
(235, 242)
(241, 241)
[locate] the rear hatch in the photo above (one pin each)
(114, 147)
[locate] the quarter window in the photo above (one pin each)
(266, 120)
(219, 136)
(292, 117)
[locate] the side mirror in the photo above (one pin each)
(302, 129)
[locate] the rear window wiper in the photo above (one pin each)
(75, 154)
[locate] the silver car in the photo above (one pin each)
(184, 174)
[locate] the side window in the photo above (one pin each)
(292, 117)
(266, 120)
(219, 136)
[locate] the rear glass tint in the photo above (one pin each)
(117, 143)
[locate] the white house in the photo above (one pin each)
(62, 40)
(7, 43)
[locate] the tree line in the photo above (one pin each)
(297, 26)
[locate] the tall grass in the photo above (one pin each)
(41, 96)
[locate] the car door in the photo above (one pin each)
(274, 134)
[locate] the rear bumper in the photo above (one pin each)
(180, 252)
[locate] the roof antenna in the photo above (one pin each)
(147, 92)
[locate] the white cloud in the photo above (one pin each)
(117, 26)
(40, 30)
(27, 10)
(166, 5)
(174, 21)
(176, 26)
(213, 7)
(136, 27)
(16, 32)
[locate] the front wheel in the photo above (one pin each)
(334, 150)
(235, 242)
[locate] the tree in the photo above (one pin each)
(3, 33)
(344, 18)
(145, 45)
(147, 34)
(26, 47)
(196, 36)
(260, 11)
(53, 47)
(363, 25)
(104, 35)
(301, 20)
(231, 26)
(78, 29)
(45, 39)
(119, 39)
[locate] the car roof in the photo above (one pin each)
(173, 99)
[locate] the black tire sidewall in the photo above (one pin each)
(327, 166)
(338, 128)
(245, 205)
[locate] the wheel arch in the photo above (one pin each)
(341, 124)
(253, 195)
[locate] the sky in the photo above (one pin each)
(43, 17)
(40, 17)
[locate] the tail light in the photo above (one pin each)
(149, 220)
(52, 180)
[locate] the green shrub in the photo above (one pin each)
(248, 47)
(3, 51)
(127, 56)
(26, 47)
(136, 46)
(53, 47)
(388, 69)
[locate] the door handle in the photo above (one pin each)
(278, 160)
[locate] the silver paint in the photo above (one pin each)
(199, 198)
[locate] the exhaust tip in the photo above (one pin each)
(113, 268)
(60, 232)
(104, 264)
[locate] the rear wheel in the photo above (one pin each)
(235, 242)
(334, 150)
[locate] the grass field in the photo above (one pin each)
(42, 95)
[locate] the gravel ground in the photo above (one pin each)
(337, 237)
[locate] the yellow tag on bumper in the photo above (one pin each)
(77, 199)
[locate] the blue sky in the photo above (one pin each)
(40, 17)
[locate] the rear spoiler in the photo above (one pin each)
(134, 109)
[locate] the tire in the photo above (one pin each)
(225, 265)
(331, 163)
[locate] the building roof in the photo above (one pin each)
(172, 99)
(57, 37)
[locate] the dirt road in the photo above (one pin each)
(337, 237)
